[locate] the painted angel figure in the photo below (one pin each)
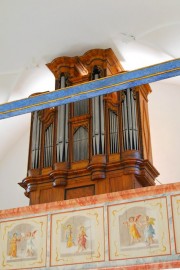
(82, 239)
(13, 245)
(133, 231)
(30, 247)
(69, 236)
(149, 230)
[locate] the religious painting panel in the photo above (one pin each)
(176, 220)
(23, 243)
(138, 229)
(77, 237)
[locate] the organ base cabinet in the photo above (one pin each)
(93, 146)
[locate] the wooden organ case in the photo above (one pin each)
(93, 146)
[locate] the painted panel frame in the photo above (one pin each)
(77, 237)
(175, 202)
(24, 243)
(138, 229)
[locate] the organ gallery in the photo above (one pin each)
(93, 146)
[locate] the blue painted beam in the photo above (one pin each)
(91, 89)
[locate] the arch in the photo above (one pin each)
(80, 144)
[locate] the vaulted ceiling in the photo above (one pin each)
(33, 32)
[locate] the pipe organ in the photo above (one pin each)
(92, 146)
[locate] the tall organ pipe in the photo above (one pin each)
(48, 144)
(36, 141)
(51, 145)
(129, 113)
(126, 124)
(98, 123)
(62, 129)
(129, 121)
(114, 138)
(33, 155)
(93, 125)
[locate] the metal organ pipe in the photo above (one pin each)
(126, 124)
(129, 113)
(129, 120)
(45, 150)
(102, 123)
(114, 138)
(33, 153)
(136, 126)
(135, 130)
(93, 125)
(80, 136)
(133, 122)
(51, 143)
(98, 123)
(48, 146)
(62, 129)
(111, 132)
(66, 133)
(80, 144)
(81, 107)
(123, 124)
(36, 141)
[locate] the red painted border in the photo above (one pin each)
(149, 266)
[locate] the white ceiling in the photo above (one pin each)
(141, 33)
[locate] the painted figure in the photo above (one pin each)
(69, 236)
(82, 239)
(133, 231)
(13, 245)
(149, 230)
(30, 236)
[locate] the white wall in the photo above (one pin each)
(13, 169)
(165, 129)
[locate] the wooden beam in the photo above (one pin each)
(91, 89)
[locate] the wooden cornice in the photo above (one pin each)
(80, 65)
